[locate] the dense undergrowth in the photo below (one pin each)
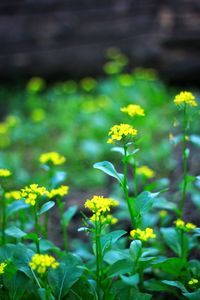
(141, 240)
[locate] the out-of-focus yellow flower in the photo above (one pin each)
(32, 192)
(119, 132)
(143, 235)
(133, 110)
(163, 213)
(42, 262)
(52, 157)
(36, 84)
(88, 84)
(146, 171)
(61, 191)
(13, 195)
(185, 98)
(11, 121)
(38, 115)
(193, 281)
(2, 267)
(126, 80)
(5, 173)
(180, 224)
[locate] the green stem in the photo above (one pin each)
(125, 189)
(135, 184)
(37, 242)
(4, 217)
(182, 203)
(98, 256)
(64, 229)
(46, 221)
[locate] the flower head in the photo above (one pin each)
(119, 132)
(42, 262)
(52, 157)
(5, 173)
(61, 191)
(2, 267)
(146, 171)
(193, 281)
(13, 195)
(163, 213)
(185, 98)
(133, 110)
(32, 192)
(180, 224)
(143, 235)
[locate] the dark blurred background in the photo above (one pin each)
(55, 38)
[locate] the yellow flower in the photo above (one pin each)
(32, 192)
(2, 267)
(61, 191)
(180, 224)
(133, 110)
(52, 157)
(185, 98)
(142, 235)
(41, 263)
(13, 195)
(146, 171)
(193, 281)
(163, 213)
(109, 219)
(5, 173)
(119, 132)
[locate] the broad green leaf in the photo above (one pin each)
(136, 249)
(173, 266)
(44, 295)
(6, 252)
(121, 267)
(195, 139)
(15, 206)
(15, 232)
(108, 168)
(193, 296)
(171, 238)
(68, 214)
(46, 207)
(162, 203)
(176, 284)
(16, 285)
(110, 239)
(130, 280)
(145, 201)
(62, 278)
(113, 256)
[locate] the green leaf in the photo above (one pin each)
(6, 252)
(176, 284)
(171, 238)
(68, 214)
(15, 232)
(193, 296)
(195, 139)
(113, 256)
(130, 280)
(46, 207)
(15, 206)
(145, 201)
(44, 295)
(108, 168)
(16, 285)
(136, 249)
(162, 203)
(121, 267)
(58, 178)
(110, 239)
(62, 278)
(172, 266)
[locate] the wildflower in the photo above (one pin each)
(163, 213)
(2, 267)
(180, 224)
(36, 84)
(42, 262)
(32, 192)
(133, 110)
(119, 132)
(142, 235)
(146, 171)
(193, 281)
(52, 157)
(99, 205)
(5, 173)
(61, 191)
(109, 219)
(13, 195)
(185, 98)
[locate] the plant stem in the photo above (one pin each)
(46, 221)
(184, 161)
(98, 256)
(3, 219)
(135, 177)
(64, 229)
(125, 189)
(37, 242)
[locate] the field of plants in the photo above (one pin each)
(100, 188)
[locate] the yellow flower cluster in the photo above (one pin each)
(52, 157)
(163, 213)
(119, 132)
(133, 110)
(142, 235)
(185, 98)
(61, 191)
(30, 193)
(5, 173)
(2, 267)
(180, 224)
(41, 262)
(13, 195)
(99, 205)
(193, 281)
(146, 171)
